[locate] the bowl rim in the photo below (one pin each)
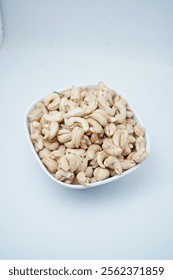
(74, 186)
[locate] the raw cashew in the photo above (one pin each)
(120, 118)
(76, 112)
(35, 115)
(89, 104)
(54, 116)
(104, 104)
(44, 153)
(110, 129)
(101, 156)
(101, 174)
(51, 146)
(50, 164)
(58, 153)
(50, 98)
(64, 175)
(139, 156)
(76, 136)
(92, 150)
(75, 94)
(110, 148)
(139, 130)
(94, 126)
(99, 118)
(82, 179)
(80, 121)
(113, 163)
(127, 164)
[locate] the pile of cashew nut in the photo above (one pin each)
(84, 135)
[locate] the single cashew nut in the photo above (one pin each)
(35, 115)
(127, 164)
(82, 179)
(50, 164)
(92, 150)
(76, 136)
(113, 163)
(79, 120)
(44, 153)
(139, 130)
(101, 174)
(95, 127)
(101, 156)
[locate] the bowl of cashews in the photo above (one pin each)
(86, 136)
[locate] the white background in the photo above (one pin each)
(54, 44)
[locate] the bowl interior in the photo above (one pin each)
(114, 178)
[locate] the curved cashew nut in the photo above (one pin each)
(53, 116)
(94, 126)
(38, 143)
(120, 118)
(78, 152)
(86, 140)
(35, 115)
(107, 92)
(35, 128)
(127, 164)
(58, 153)
(75, 94)
(110, 148)
(82, 178)
(104, 104)
(52, 101)
(139, 130)
(140, 143)
(69, 145)
(81, 121)
(99, 118)
(73, 161)
(50, 130)
(89, 104)
(83, 165)
(101, 156)
(89, 172)
(42, 107)
(110, 129)
(63, 138)
(44, 153)
(62, 175)
(139, 156)
(76, 136)
(101, 174)
(67, 105)
(65, 93)
(131, 121)
(76, 112)
(129, 128)
(54, 127)
(120, 138)
(54, 104)
(92, 150)
(50, 164)
(113, 163)
(129, 113)
(64, 164)
(51, 146)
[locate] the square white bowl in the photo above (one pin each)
(114, 178)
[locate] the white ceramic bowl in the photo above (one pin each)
(137, 119)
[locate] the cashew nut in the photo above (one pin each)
(82, 122)
(101, 174)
